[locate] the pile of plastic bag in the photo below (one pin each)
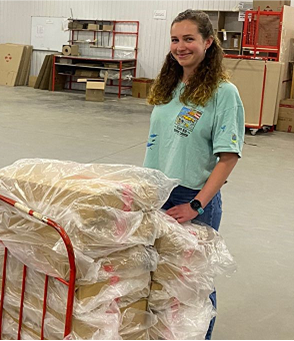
(121, 240)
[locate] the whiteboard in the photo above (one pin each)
(49, 33)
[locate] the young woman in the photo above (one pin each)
(197, 124)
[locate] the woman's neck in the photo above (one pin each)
(187, 74)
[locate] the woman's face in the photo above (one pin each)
(187, 45)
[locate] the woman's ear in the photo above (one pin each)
(208, 42)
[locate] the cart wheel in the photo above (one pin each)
(253, 131)
(266, 129)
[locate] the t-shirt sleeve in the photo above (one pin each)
(228, 131)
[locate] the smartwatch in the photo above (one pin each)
(196, 206)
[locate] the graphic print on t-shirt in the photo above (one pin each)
(186, 121)
(151, 140)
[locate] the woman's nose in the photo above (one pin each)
(181, 45)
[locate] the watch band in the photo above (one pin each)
(196, 206)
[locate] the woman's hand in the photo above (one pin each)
(182, 213)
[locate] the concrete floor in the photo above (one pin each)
(256, 302)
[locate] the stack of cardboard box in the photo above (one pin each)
(190, 256)
(102, 208)
(120, 238)
(95, 88)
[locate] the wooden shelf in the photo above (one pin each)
(225, 23)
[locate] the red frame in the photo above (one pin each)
(72, 272)
(251, 30)
(131, 33)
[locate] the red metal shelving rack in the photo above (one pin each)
(113, 59)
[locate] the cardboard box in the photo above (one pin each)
(117, 65)
(155, 286)
(287, 102)
(248, 76)
(33, 308)
(74, 25)
(107, 27)
(292, 50)
(10, 61)
(274, 6)
(32, 81)
(127, 329)
(93, 27)
(141, 87)
(70, 50)
(24, 68)
(112, 65)
(286, 116)
(60, 81)
(95, 91)
(87, 73)
(61, 189)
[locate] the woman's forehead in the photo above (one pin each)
(184, 27)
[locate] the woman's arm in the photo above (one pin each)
(216, 180)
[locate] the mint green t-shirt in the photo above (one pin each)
(185, 140)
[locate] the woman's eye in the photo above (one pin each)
(174, 40)
(190, 39)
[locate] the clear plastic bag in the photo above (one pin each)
(197, 247)
(180, 322)
(112, 216)
(45, 183)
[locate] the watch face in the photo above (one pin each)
(195, 204)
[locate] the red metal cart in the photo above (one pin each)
(72, 272)
(261, 46)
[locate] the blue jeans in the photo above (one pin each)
(211, 216)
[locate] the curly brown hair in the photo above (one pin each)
(207, 76)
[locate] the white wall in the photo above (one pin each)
(15, 23)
